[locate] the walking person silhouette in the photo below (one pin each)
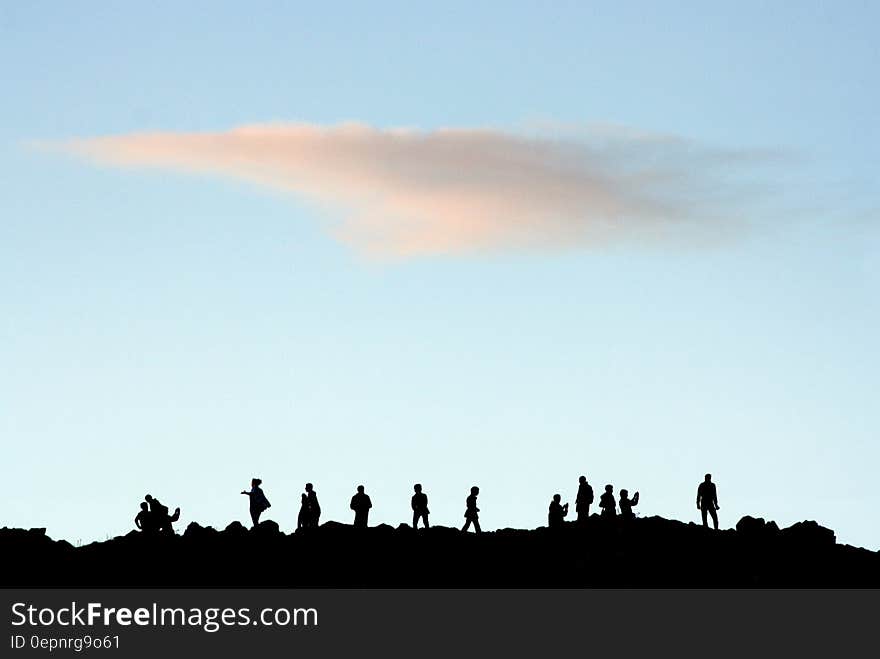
(556, 514)
(583, 500)
(314, 508)
(361, 504)
(258, 500)
(707, 500)
(471, 513)
(419, 505)
(606, 502)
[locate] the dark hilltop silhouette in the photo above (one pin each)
(647, 552)
(604, 549)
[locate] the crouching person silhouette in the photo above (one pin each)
(361, 504)
(627, 504)
(259, 502)
(471, 513)
(557, 513)
(160, 517)
(419, 505)
(707, 500)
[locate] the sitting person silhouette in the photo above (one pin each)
(314, 508)
(361, 504)
(583, 500)
(302, 520)
(627, 504)
(419, 505)
(557, 513)
(144, 520)
(471, 513)
(159, 514)
(258, 502)
(707, 500)
(606, 502)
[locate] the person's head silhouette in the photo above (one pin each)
(143, 505)
(475, 490)
(609, 488)
(256, 482)
(360, 489)
(417, 487)
(624, 494)
(148, 498)
(309, 487)
(304, 497)
(582, 480)
(708, 478)
(557, 498)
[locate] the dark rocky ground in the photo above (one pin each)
(643, 552)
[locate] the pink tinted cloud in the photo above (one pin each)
(407, 192)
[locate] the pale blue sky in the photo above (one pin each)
(179, 334)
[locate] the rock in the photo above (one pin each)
(756, 528)
(809, 534)
(235, 528)
(267, 527)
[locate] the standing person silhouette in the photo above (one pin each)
(302, 520)
(627, 504)
(258, 501)
(419, 504)
(606, 502)
(159, 513)
(707, 500)
(583, 500)
(361, 504)
(471, 513)
(144, 520)
(556, 514)
(314, 514)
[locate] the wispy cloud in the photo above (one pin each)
(405, 192)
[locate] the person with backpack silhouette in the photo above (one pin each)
(557, 513)
(314, 508)
(627, 504)
(258, 502)
(361, 504)
(707, 500)
(583, 500)
(472, 513)
(606, 502)
(161, 519)
(419, 505)
(144, 520)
